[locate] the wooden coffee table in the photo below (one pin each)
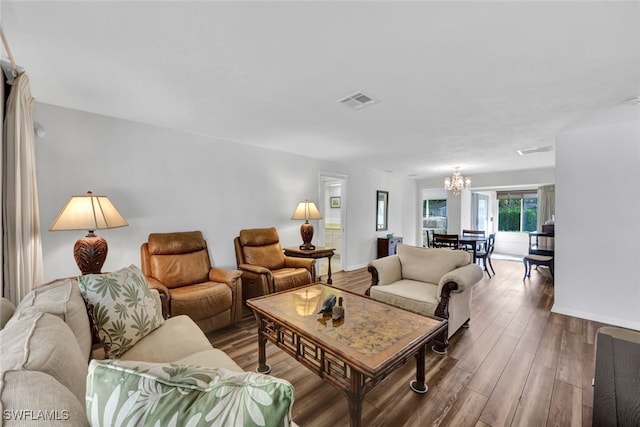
(355, 353)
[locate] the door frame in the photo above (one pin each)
(324, 176)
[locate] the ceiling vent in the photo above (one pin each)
(358, 101)
(527, 151)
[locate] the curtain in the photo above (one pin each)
(546, 204)
(22, 247)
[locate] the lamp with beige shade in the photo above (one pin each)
(306, 210)
(89, 212)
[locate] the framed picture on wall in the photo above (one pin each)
(334, 202)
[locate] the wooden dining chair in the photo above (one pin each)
(485, 254)
(449, 241)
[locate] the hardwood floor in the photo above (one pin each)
(517, 364)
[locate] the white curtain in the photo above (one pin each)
(546, 204)
(20, 213)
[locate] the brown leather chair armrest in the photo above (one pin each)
(308, 263)
(254, 269)
(165, 296)
(231, 278)
(224, 275)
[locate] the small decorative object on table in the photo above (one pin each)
(327, 305)
(338, 311)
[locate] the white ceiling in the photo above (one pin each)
(460, 83)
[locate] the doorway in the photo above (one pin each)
(333, 206)
(480, 212)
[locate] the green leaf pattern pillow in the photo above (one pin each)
(131, 393)
(122, 308)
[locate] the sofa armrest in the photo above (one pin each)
(384, 271)
(464, 277)
(165, 296)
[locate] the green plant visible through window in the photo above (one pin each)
(519, 214)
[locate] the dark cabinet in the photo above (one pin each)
(388, 246)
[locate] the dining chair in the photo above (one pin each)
(471, 233)
(429, 236)
(449, 241)
(485, 254)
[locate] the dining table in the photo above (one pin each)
(476, 241)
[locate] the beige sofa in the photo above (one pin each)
(46, 349)
(427, 281)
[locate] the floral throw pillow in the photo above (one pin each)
(122, 308)
(142, 393)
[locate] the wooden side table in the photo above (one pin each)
(318, 252)
(387, 246)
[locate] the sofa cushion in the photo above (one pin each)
(61, 298)
(212, 358)
(429, 264)
(141, 393)
(31, 398)
(412, 295)
(178, 337)
(122, 308)
(43, 342)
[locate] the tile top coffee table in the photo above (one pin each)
(354, 353)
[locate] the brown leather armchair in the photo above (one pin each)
(265, 268)
(178, 265)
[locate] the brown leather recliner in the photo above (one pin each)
(265, 268)
(178, 265)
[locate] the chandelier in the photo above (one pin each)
(456, 182)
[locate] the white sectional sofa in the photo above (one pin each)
(49, 374)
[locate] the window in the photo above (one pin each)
(517, 211)
(434, 218)
(434, 207)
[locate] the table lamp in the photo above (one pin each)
(89, 212)
(306, 210)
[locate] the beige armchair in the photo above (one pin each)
(178, 266)
(431, 281)
(265, 268)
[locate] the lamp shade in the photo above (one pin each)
(306, 210)
(89, 212)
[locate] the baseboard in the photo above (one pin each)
(624, 323)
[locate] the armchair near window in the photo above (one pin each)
(265, 268)
(178, 266)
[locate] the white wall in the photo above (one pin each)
(163, 180)
(597, 244)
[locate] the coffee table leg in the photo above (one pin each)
(441, 342)
(419, 385)
(355, 396)
(263, 368)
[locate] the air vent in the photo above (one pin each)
(358, 101)
(527, 151)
